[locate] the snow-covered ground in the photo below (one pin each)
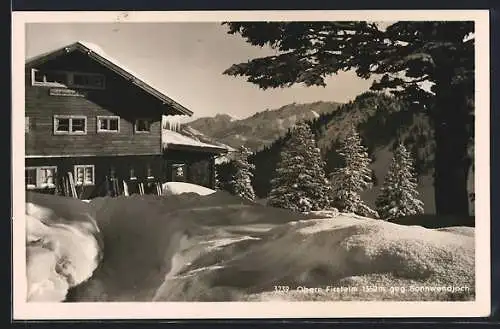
(369, 259)
(216, 247)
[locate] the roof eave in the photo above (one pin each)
(204, 149)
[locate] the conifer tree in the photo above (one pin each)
(242, 178)
(399, 195)
(299, 181)
(224, 173)
(355, 177)
(402, 57)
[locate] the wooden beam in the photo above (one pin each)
(212, 172)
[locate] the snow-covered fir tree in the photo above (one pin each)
(355, 177)
(399, 196)
(299, 181)
(241, 182)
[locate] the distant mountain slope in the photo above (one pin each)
(262, 128)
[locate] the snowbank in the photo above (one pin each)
(61, 252)
(218, 247)
(330, 255)
(175, 188)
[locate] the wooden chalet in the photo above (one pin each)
(95, 128)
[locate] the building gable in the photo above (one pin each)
(97, 55)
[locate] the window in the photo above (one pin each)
(40, 177)
(108, 124)
(87, 80)
(84, 175)
(142, 126)
(178, 172)
(30, 177)
(78, 125)
(51, 78)
(70, 125)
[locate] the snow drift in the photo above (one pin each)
(299, 260)
(175, 188)
(63, 248)
(217, 247)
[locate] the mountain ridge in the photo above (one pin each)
(261, 128)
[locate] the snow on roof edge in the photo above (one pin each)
(175, 138)
(98, 50)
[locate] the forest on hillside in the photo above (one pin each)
(382, 122)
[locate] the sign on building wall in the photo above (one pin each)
(66, 92)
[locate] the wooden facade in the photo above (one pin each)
(87, 116)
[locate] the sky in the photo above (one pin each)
(185, 61)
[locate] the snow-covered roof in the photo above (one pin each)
(175, 140)
(195, 134)
(98, 54)
(98, 50)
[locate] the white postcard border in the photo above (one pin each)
(188, 310)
